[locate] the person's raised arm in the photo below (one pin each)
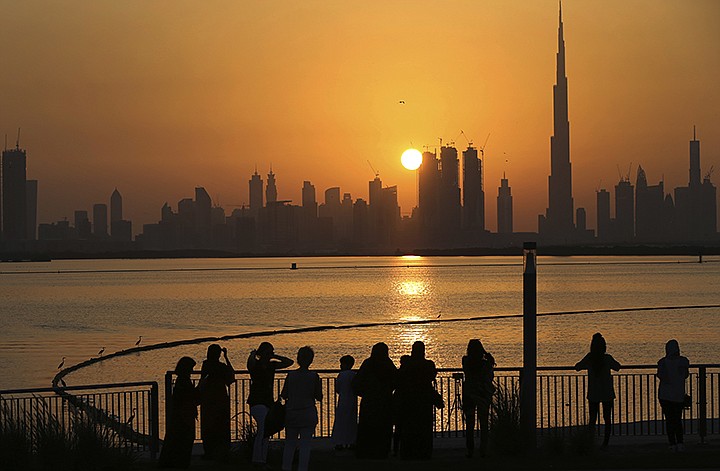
(280, 362)
(230, 371)
(252, 359)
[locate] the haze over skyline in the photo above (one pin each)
(157, 98)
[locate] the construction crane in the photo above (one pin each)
(377, 174)
(709, 173)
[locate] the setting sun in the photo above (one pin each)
(411, 159)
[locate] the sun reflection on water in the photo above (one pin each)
(412, 288)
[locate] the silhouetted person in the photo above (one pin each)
(215, 377)
(416, 391)
(344, 432)
(673, 370)
(262, 364)
(301, 389)
(477, 393)
(374, 383)
(180, 430)
(598, 363)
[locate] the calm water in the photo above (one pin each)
(74, 308)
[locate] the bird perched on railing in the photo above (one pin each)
(102, 350)
(62, 363)
(137, 344)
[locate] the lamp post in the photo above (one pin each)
(528, 376)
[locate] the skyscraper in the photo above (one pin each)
(256, 193)
(473, 193)
(603, 214)
(31, 192)
(696, 204)
(271, 189)
(624, 210)
(649, 209)
(504, 208)
(428, 187)
(100, 225)
(116, 208)
(449, 194)
(14, 194)
(309, 203)
(558, 221)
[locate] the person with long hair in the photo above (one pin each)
(673, 369)
(477, 393)
(301, 389)
(180, 430)
(215, 377)
(262, 364)
(374, 383)
(598, 364)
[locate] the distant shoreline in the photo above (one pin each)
(561, 251)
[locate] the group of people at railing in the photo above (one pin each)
(673, 370)
(397, 405)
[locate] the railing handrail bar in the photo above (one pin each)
(79, 388)
(497, 369)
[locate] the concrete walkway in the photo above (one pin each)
(624, 453)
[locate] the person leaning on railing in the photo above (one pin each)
(180, 431)
(673, 370)
(598, 364)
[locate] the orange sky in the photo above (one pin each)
(158, 97)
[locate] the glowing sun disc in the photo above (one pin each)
(411, 159)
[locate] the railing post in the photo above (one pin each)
(702, 403)
(154, 420)
(168, 395)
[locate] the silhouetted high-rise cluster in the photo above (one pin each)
(450, 211)
(279, 226)
(645, 214)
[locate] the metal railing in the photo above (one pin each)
(561, 403)
(127, 414)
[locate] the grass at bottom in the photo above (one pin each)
(616, 456)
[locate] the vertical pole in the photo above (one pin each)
(702, 403)
(528, 385)
(168, 396)
(154, 420)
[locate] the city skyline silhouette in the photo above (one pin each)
(62, 192)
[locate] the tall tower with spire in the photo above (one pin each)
(256, 193)
(558, 220)
(270, 189)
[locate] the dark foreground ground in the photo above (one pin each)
(623, 453)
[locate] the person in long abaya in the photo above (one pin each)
(374, 383)
(416, 391)
(180, 431)
(215, 377)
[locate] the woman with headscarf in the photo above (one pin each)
(477, 393)
(673, 369)
(374, 383)
(598, 364)
(215, 377)
(416, 393)
(180, 431)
